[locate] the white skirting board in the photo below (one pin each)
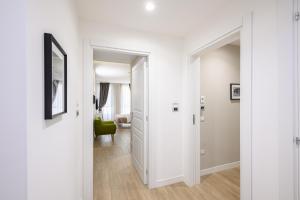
(219, 168)
(169, 181)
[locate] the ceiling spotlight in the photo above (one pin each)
(150, 6)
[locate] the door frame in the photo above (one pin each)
(246, 37)
(296, 54)
(88, 114)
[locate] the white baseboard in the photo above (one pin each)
(169, 181)
(219, 168)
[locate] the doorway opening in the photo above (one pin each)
(220, 119)
(241, 34)
(120, 125)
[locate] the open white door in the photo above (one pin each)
(139, 127)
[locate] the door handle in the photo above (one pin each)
(194, 119)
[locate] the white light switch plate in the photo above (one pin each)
(203, 152)
(202, 119)
(202, 100)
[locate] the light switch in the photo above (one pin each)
(202, 152)
(202, 119)
(202, 100)
(175, 107)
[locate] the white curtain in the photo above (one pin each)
(125, 99)
(118, 101)
(109, 110)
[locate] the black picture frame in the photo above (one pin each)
(49, 40)
(235, 97)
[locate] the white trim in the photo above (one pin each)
(246, 107)
(169, 181)
(246, 35)
(222, 40)
(219, 168)
(296, 116)
(88, 161)
(88, 137)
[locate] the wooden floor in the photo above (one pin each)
(116, 179)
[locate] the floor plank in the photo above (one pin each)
(116, 179)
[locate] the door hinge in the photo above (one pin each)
(147, 118)
(147, 172)
(297, 16)
(297, 140)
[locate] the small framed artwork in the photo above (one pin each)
(55, 76)
(235, 91)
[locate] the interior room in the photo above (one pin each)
(114, 158)
(220, 117)
(114, 70)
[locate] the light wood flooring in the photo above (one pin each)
(116, 179)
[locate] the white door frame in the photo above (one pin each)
(245, 29)
(88, 114)
(296, 149)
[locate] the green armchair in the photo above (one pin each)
(104, 128)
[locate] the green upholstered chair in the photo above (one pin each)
(104, 128)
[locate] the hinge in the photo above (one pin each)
(147, 118)
(147, 171)
(297, 140)
(297, 16)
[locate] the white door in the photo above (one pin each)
(139, 125)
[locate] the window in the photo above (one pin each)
(125, 99)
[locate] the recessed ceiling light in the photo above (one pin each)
(150, 6)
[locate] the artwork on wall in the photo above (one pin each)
(55, 67)
(234, 91)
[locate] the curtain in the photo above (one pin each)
(104, 89)
(96, 104)
(109, 109)
(125, 99)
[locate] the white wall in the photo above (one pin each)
(286, 99)
(54, 146)
(265, 115)
(13, 100)
(165, 77)
(272, 105)
(220, 130)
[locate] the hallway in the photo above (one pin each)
(116, 179)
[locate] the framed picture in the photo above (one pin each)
(55, 76)
(235, 91)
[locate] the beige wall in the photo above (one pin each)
(220, 130)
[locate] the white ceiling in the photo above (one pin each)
(111, 56)
(173, 17)
(112, 72)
